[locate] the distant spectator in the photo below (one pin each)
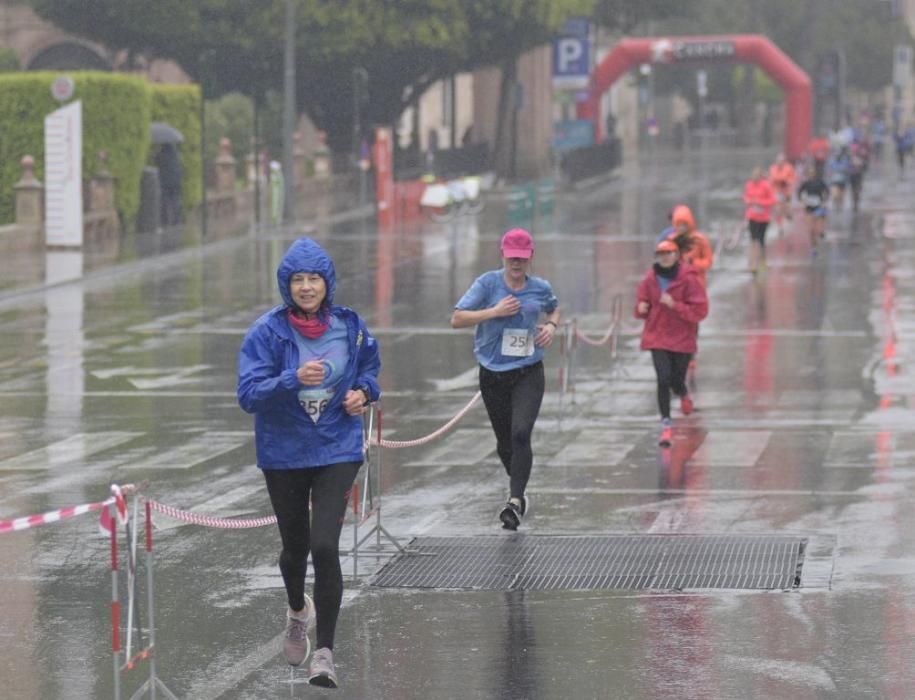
(712, 119)
(168, 160)
(878, 138)
(905, 141)
(679, 135)
(611, 127)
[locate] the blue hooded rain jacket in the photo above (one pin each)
(285, 436)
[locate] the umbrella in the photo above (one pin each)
(160, 132)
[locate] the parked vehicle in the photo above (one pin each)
(442, 201)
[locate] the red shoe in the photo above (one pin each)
(666, 436)
(686, 405)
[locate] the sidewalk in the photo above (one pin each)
(27, 269)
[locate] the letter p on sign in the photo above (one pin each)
(570, 51)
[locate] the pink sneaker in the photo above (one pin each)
(666, 436)
(686, 405)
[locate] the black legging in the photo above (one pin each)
(329, 488)
(758, 231)
(512, 400)
(670, 368)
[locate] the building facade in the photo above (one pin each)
(39, 45)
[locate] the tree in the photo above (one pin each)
(626, 15)
(403, 45)
(237, 46)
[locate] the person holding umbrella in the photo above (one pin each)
(171, 171)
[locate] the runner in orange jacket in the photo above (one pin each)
(693, 244)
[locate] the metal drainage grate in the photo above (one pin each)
(658, 562)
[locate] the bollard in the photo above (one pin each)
(29, 196)
(225, 167)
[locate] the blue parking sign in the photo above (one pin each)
(572, 55)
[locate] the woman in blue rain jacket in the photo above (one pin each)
(307, 370)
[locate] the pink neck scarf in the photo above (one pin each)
(310, 328)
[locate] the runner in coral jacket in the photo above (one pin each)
(759, 198)
(783, 178)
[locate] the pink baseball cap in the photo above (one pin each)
(517, 243)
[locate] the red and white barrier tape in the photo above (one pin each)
(53, 516)
(596, 343)
(396, 444)
(209, 520)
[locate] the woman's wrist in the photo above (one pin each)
(552, 323)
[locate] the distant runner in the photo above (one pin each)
(758, 198)
(782, 177)
(814, 195)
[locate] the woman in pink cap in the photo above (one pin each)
(516, 315)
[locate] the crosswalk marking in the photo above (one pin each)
(73, 449)
(199, 449)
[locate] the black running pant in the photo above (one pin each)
(670, 368)
(512, 399)
(758, 231)
(328, 489)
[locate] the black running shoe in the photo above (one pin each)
(510, 515)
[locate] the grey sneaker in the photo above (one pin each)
(295, 644)
(322, 670)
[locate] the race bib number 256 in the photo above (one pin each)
(314, 401)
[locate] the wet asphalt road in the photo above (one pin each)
(804, 426)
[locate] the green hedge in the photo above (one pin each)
(117, 110)
(179, 105)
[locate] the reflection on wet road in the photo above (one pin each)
(804, 425)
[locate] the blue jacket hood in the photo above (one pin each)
(306, 256)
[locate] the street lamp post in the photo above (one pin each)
(289, 115)
(360, 97)
(201, 73)
(203, 159)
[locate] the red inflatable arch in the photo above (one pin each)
(749, 48)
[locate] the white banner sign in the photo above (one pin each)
(63, 176)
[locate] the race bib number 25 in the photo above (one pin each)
(517, 342)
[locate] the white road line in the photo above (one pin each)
(704, 493)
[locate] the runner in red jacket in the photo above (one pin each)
(672, 300)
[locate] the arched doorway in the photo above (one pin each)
(69, 55)
(749, 48)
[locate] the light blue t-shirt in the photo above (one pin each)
(506, 343)
(332, 349)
